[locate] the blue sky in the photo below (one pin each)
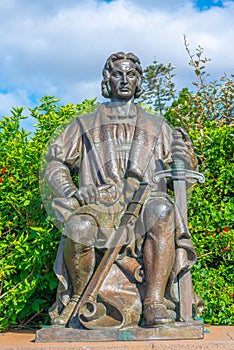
(200, 4)
(206, 4)
(58, 47)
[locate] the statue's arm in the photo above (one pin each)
(182, 149)
(59, 179)
(63, 157)
(170, 150)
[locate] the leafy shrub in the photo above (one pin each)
(208, 116)
(211, 223)
(29, 240)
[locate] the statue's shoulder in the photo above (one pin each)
(150, 118)
(90, 119)
(148, 114)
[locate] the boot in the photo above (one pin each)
(156, 314)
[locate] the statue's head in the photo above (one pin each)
(122, 76)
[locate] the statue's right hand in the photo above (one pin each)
(87, 195)
(90, 194)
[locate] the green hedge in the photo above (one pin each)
(211, 213)
(28, 239)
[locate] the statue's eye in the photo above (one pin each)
(116, 74)
(131, 74)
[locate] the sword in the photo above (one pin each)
(179, 175)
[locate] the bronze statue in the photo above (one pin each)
(125, 241)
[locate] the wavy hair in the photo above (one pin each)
(106, 88)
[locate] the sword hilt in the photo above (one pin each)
(178, 174)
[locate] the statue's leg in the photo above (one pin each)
(79, 257)
(158, 257)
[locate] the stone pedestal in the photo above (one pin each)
(180, 330)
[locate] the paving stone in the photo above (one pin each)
(218, 338)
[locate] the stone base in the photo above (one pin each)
(180, 330)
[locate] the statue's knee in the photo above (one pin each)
(82, 229)
(157, 212)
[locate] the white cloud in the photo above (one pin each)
(17, 98)
(59, 47)
(13, 99)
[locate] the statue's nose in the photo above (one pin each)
(124, 78)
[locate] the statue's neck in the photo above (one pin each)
(123, 105)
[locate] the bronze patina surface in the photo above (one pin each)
(125, 253)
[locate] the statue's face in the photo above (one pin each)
(123, 79)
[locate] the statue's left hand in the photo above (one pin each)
(182, 148)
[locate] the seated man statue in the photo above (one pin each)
(115, 150)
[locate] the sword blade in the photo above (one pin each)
(184, 278)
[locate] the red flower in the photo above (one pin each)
(226, 248)
(212, 234)
(232, 295)
(1, 180)
(226, 229)
(3, 170)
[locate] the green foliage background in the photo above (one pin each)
(29, 240)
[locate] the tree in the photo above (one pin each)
(159, 86)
